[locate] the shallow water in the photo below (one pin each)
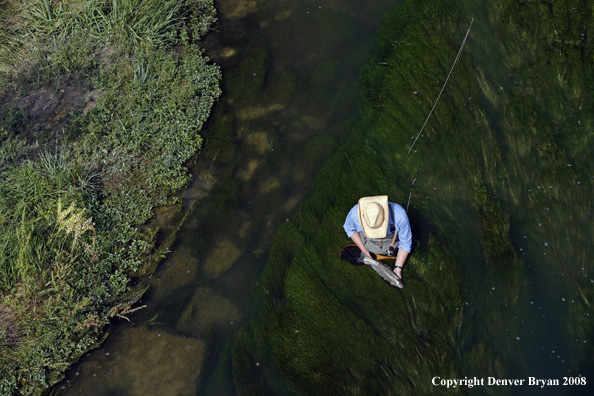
(545, 183)
(290, 86)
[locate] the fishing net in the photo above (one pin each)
(352, 254)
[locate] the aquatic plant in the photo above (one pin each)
(502, 157)
(78, 180)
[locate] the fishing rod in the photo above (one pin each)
(431, 112)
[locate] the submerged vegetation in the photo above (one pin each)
(101, 106)
(504, 173)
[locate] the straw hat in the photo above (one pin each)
(374, 216)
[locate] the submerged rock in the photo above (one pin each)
(162, 369)
(223, 256)
(150, 362)
(206, 310)
(260, 111)
(259, 141)
(176, 273)
(246, 173)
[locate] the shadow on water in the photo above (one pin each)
(290, 86)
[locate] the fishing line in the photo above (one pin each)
(444, 85)
(431, 112)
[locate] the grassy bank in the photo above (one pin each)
(506, 122)
(101, 106)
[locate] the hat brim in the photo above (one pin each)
(382, 230)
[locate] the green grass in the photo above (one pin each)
(104, 23)
(76, 187)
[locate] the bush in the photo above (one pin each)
(74, 191)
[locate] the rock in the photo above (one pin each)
(205, 310)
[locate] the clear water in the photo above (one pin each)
(290, 89)
(291, 82)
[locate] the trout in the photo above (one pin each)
(382, 270)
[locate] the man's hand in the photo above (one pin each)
(366, 252)
(359, 242)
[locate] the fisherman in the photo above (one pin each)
(380, 227)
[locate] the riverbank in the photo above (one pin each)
(288, 85)
(101, 107)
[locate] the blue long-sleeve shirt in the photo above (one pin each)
(398, 223)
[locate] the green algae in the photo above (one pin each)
(250, 73)
(501, 156)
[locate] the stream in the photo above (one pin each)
(291, 92)
(290, 85)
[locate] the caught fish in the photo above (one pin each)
(382, 270)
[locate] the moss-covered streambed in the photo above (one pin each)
(100, 109)
(500, 283)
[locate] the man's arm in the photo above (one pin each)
(359, 242)
(400, 260)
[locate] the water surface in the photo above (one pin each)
(290, 86)
(511, 140)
